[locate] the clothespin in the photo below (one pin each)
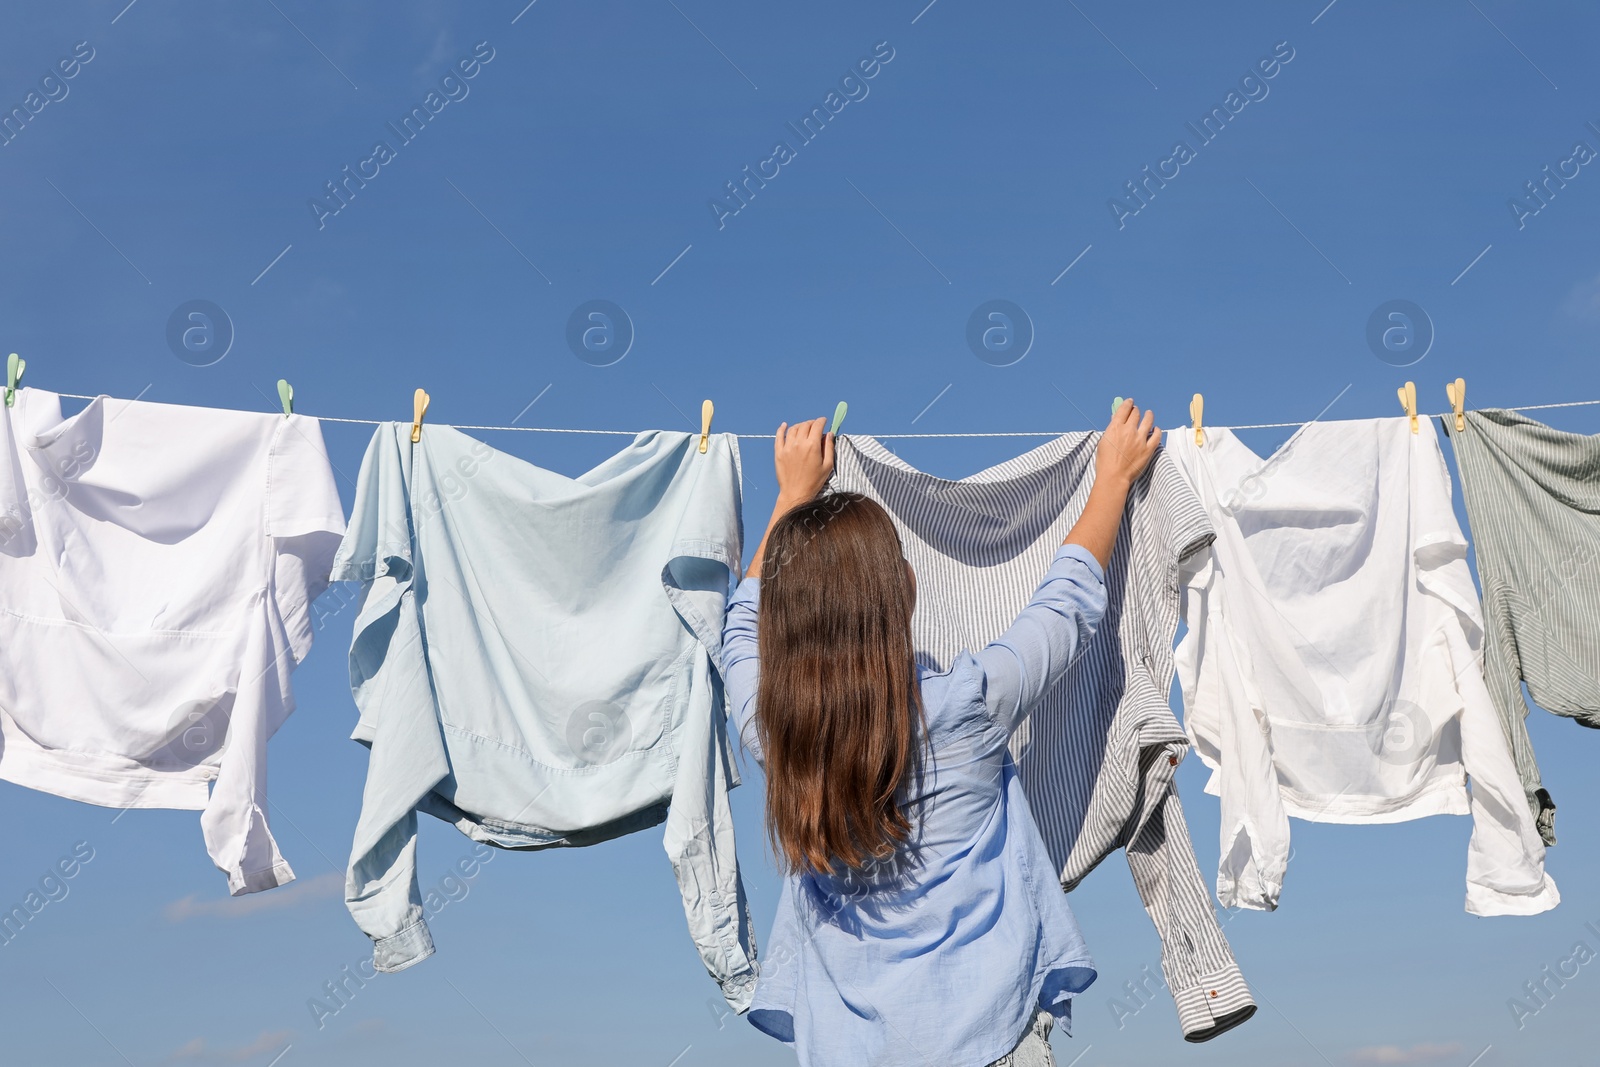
(1457, 392)
(838, 416)
(1116, 404)
(1408, 400)
(1197, 408)
(15, 365)
(420, 408)
(286, 397)
(705, 425)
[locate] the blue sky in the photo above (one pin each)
(979, 162)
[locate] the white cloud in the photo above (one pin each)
(1583, 302)
(293, 895)
(1423, 1053)
(440, 57)
(198, 1050)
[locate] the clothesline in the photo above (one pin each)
(882, 436)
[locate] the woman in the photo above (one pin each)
(921, 922)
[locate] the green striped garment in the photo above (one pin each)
(1533, 501)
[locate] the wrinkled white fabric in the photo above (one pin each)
(157, 568)
(1332, 668)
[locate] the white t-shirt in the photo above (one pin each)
(157, 566)
(1332, 668)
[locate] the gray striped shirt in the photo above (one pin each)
(1098, 754)
(1533, 501)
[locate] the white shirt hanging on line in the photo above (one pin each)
(1332, 668)
(157, 567)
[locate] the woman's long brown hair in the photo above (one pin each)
(838, 709)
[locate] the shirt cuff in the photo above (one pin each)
(399, 951)
(241, 882)
(1486, 900)
(1214, 1005)
(739, 990)
(1082, 555)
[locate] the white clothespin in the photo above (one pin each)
(1457, 392)
(705, 425)
(1408, 400)
(419, 406)
(1197, 408)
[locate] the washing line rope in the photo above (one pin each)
(888, 436)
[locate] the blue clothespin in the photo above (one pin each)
(286, 397)
(15, 365)
(838, 416)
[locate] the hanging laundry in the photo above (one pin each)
(537, 660)
(157, 565)
(1533, 501)
(1332, 666)
(1098, 755)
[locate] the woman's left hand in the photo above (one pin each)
(803, 456)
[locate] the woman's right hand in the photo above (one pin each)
(1127, 446)
(1124, 451)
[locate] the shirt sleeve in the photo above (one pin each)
(1226, 718)
(1505, 856)
(305, 522)
(234, 822)
(699, 837)
(699, 840)
(1022, 664)
(399, 723)
(1211, 994)
(741, 662)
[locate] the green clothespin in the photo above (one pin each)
(286, 397)
(838, 416)
(1116, 404)
(15, 365)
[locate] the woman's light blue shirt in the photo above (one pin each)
(942, 956)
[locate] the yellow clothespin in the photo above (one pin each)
(1197, 408)
(15, 365)
(705, 425)
(1408, 400)
(286, 397)
(838, 416)
(1457, 392)
(419, 408)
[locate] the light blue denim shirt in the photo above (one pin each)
(537, 660)
(943, 956)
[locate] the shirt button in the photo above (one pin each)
(1174, 761)
(1213, 992)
